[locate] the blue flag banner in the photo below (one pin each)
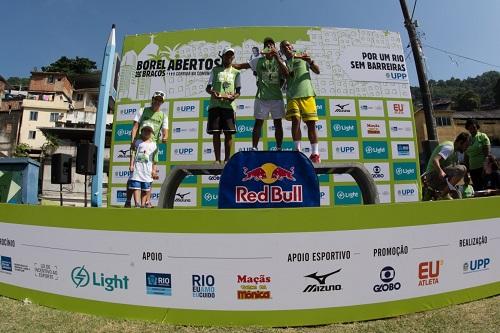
(268, 179)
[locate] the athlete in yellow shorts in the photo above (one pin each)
(300, 94)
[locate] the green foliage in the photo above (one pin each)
(71, 66)
(19, 81)
(51, 144)
(467, 101)
(484, 85)
(22, 150)
(496, 92)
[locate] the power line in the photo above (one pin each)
(461, 56)
(413, 11)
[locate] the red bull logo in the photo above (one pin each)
(268, 173)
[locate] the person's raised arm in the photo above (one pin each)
(245, 65)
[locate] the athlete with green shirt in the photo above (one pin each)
(271, 72)
(224, 87)
(443, 164)
(476, 154)
(301, 103)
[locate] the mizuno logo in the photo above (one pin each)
(321, 278)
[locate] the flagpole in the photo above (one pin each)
(100, 122)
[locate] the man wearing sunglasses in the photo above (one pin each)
(152, 117)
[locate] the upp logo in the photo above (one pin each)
(477, 265)
(321, 285)
(184, 151)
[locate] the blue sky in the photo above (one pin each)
(37, 32)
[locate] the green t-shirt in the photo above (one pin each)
(224, 81)
(299, 83)
(475, 150)
(447, 152)
(268, 78)
(154, 119)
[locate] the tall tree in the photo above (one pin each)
(71, 66)
(467, 101)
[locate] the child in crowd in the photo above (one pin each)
(143, 166)
(466, 189)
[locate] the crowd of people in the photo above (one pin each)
(453, 165)
(449, 164)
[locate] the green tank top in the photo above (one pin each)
(223, 82)
(268, 79)
(153, 119)
(299, 83)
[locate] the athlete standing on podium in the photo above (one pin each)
(301, 102)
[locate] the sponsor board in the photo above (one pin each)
(371, 108)
(246, 146)
(187, 151)
(159, 284)
(341, 128)
(403, 149)
(121, 173)
(203, 286)
(251, 287)
(476, 265)
(406, 192)
(46, 271)
(347, 195)
(379, 171)
(322, 149)
(384, 193)
(387, 276)
(209, 196)
(210, 179)
(244, 107)
(321, 107)
(123, 132)
(405, 171)
(82, 277)
(5, 264)
(207, 152)
(375, 150)
(287, 128)
(400, 129)
(244, 128)
(186, 197)
(345, 150)
(320, 128)
(121, 153)
(186, 109)
(318, 283)
(286, 145)
(205, 135)
(398, 109)
(324, 195)
(343, 178)
(373, 129)
(428, 272)
(184, 130)
(342, 108)
(127, 112)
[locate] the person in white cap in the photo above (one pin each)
(143, 166)
(224, 87)
(159, 123)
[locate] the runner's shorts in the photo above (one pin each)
(138, 185)
(221, 120)
(262, 109)
(304, 108)
(451, 171)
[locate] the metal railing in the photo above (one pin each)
(362, 177)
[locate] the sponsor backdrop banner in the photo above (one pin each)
(363, 99)
(231, 267)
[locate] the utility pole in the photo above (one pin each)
(422, 77)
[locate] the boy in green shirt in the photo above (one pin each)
(270, 71)
(301, 103)
(476, 154)
(224, 86)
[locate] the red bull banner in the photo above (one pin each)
(264, 179)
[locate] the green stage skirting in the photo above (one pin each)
(273, 267)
